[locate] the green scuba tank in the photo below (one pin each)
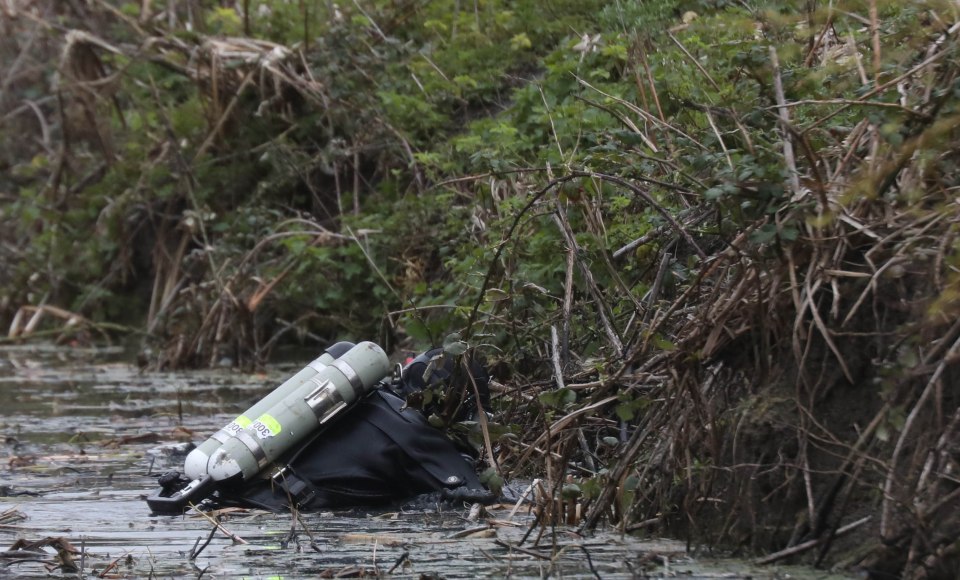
(195, 465)
(313, 403)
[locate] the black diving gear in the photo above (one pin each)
(380, 451)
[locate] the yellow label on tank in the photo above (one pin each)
(243, 421)
(271, 425)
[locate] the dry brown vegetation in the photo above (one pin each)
(799, 389)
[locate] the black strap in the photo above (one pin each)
(299, 489)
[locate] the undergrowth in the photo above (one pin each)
(708, 248)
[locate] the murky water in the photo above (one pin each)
(86, 434)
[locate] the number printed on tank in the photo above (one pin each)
(262, 431)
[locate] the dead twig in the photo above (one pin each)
(218, 526)
(788, 157)
(693, 60)
(805, 546)
(560, 217)
(196, 551)
(892, 473)
(555, 358)
(523, 550)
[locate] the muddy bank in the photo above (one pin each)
(86, 434)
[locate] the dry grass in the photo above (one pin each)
(792, 386)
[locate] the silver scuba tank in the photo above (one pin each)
(195, 466)
(314, 402)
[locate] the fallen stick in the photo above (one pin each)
(522, 497)
(235, 538)
(799, 548)
(526, 551)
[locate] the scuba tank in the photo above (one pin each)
(316, 401)
(195, 465)
(301, 411)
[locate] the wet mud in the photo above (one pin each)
(86, 434)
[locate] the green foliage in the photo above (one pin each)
(416, 94)
(558, 399)
(224, 22)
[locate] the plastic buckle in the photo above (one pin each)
(299, 489)
(176, 501)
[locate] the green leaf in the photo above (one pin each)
(789, 233)
(490, 478)
(495, 295)
(624, 412)
(520, 42)
(764, 234)
(591, 488)
(714, 193)
(559, 398)
(663, 344)
(453, 345)
(883, 433)
(570, 491)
